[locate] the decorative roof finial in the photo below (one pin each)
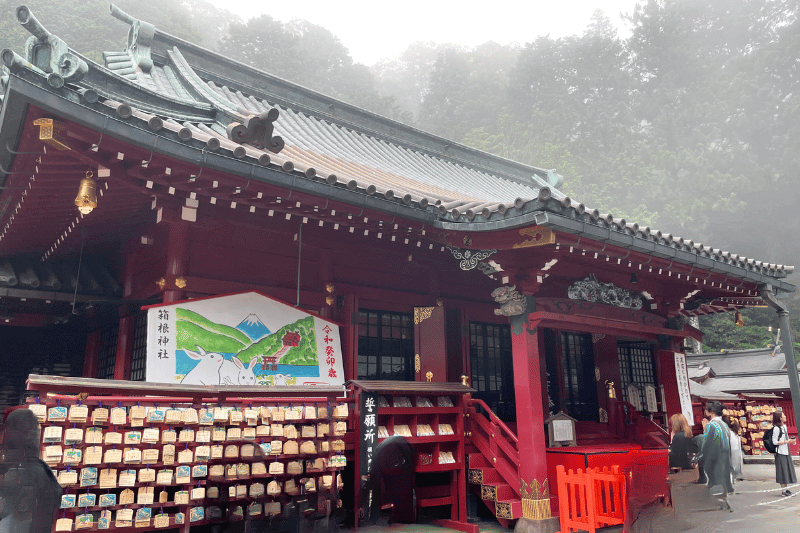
(49, 53)
(140, 39)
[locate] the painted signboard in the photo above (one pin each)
(241, 339)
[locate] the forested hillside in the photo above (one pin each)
(688, 125)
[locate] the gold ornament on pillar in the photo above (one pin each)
(417, 363)
(611, 392)
(465, 380)
(422, 313)
(535, 499)
(180, 282)
(429, 375)
(86, 200)
(161, 283)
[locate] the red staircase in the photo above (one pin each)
(494, 462)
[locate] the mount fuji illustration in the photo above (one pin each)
(253, 327)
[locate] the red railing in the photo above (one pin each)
(629, 425)
(496, 442)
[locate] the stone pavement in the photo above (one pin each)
(757, 507)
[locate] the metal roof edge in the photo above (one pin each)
(106, 123)
(577, 227)
(303, 99)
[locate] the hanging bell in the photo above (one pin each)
(87, 194)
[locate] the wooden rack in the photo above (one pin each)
(316, 475)
(430, 416)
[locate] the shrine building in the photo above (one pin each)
(197, 176)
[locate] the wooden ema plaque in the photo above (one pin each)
(122, 455)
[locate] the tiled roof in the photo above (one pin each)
(709, 393)
(735, 361)
(759, 369)
(182, 92)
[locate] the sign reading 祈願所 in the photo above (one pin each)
(241, 339)
(369, 429)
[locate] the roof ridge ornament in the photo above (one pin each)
(591, 290)
(49, 53)
(140, 39)
(256, 130)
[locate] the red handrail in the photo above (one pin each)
(494, 419)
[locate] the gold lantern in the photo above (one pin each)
(87, 194)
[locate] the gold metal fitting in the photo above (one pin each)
(180, 282)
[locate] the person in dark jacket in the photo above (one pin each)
(30, 492)
(681, 447)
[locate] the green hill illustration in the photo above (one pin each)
(195, 330)
(295, 344)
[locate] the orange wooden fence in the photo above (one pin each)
(592, 499)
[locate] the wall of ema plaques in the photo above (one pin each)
(152, 467)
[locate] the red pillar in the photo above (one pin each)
(122, 363)
(92, 352)
(177, 258)
(530, 409)
(348, 317)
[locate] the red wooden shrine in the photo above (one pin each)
(442, 263)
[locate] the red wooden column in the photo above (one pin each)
(177, 258)
(92, 353)
(530, 410)
(122, 362)
(430, 343)
(528, 384)
(348, 317)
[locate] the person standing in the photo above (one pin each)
(681, 447)
(716, 453)
(698, 443)
(30, 491)
(784, 467)
(737, 456)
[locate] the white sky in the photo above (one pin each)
(374, 30)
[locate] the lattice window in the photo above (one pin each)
(636, 365)
(385, 345)
(492, 368)
(107, 357)
(139, 351)
(577, 363)
(489, 348)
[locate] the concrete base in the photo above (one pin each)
(529, 525)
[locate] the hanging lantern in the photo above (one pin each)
(737, 319)
(87, 194)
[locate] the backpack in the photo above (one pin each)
(768, 441)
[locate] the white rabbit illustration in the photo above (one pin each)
(206, 372)
(233, 372)
(280, 379)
